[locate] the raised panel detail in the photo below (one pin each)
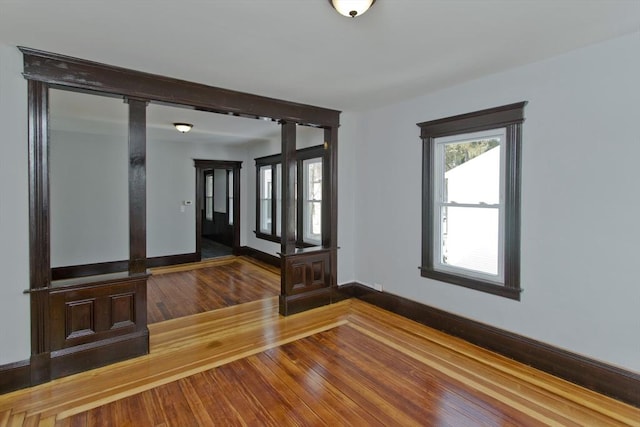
(122, 310)
(318, 269)
(80, 318)
(307, 280)
(307, 271)
(88, 314)
(298, 276)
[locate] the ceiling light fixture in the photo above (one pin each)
(351, 8)
(183, 127)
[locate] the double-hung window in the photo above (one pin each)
(265, 191)
(308, 191)
(312, 200)
(471, 200)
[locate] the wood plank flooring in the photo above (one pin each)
(184, 290)
(345, 364)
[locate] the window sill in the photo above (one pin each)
(472, 283)
(277, 239)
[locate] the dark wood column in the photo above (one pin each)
(288, 238)
(330, 194)
(137, 186)
(309, 276)
(39, 235)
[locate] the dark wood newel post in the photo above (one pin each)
(137, 186)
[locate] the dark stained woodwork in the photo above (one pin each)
(161, 261)
(85, 313)
(513, 204)
(234, 166)
(42, 70)
(71, 271)
(264, 257)
(39, 235)
(289, 170)
(319, 151)
(91, 322)
(15, 376)
(511, 118)
(80, 74)
(595, 375)
(225, 283)
(491, 118)
(330, 222)
(306, 280)
(99, 353)
(137, 186)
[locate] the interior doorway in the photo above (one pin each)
(217, 208)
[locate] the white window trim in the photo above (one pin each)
(439, 202)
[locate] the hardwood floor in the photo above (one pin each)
(184, 290)
(345, 364)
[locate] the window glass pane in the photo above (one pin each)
(312, 200)
(472, 171)
(265, 199)
(220, 190)
(278, 191)
(469, 238)
(209, 185)
(208, 202)
(209, 208)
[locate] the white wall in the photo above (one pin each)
(350, 134)
(14, 210)
(580, 204)
(89, 197)
(89, 189)
(170, 182)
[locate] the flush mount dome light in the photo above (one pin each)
(351, 8)
(183, 127)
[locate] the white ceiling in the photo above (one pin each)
(303, 51)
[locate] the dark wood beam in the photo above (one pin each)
(87, 75)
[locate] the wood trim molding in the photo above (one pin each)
(14, 376)
(94, 355)
(84, 270)
(163, 261)
(476, 121)
(72, 73)
(39, 235)
(260, 256)
(230, 165)
(137, 185)
(609, 380)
